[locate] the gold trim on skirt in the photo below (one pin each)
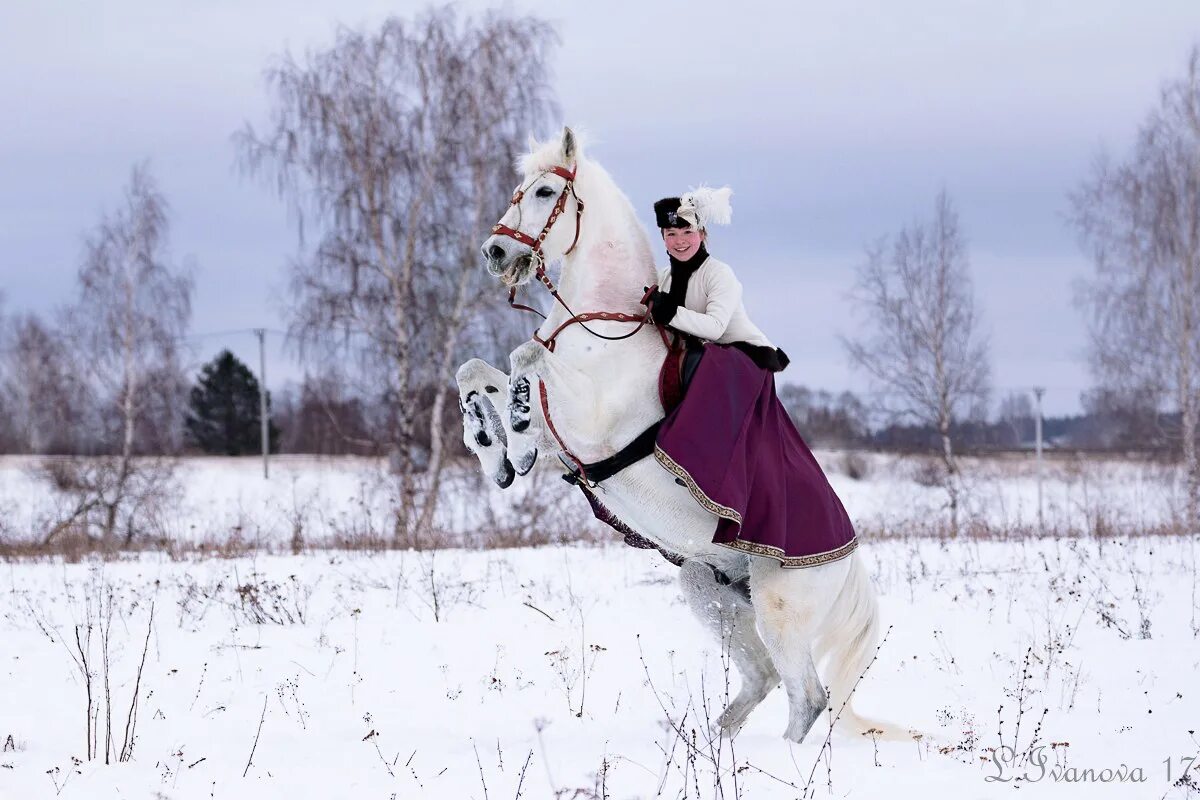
(750, 548)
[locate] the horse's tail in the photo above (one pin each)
(846, 643)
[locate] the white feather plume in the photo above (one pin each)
(712, 206)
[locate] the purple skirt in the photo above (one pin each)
(732, 443)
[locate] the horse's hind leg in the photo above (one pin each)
(790, 606)
(727, 612)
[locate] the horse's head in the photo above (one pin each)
(541, 223)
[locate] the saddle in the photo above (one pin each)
(677, 371)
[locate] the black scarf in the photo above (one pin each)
(681, 273)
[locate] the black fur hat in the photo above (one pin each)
(665, 216)
(698, 208)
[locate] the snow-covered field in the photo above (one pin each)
(332, 498)
(575, 671)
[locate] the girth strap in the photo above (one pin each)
(642, 445)
(635, 451)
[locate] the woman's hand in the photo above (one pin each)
(662, 307)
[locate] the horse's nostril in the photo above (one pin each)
(495, 252)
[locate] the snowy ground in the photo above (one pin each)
(576, 671)
(572, 671)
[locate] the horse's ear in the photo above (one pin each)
(570, 147)
(532, 143)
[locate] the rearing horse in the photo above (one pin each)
(586, 388)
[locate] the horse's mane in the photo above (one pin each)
(544, 155)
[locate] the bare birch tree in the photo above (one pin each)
(43, 398)
(922, 346)
(10, 434)
(397, 145)
(125, 331)
(1016, 411)
(1140, 220)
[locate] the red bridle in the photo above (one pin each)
(535, 245)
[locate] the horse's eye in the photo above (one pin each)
(545, 191)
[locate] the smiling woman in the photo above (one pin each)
(698, 295)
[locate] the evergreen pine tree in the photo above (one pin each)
(223, 411)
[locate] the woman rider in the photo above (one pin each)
(698, 294)
(730, 440)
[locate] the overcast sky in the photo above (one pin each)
(834, 123)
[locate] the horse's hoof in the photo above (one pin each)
(796, 733)
(717, 730)
(526, 462)
(730, 722)
(506, 476)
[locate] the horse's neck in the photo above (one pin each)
(608, 269)
(611, 384)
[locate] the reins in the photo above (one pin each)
(539, 261)
(589, 316)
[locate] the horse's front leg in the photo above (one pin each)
(480, 387)
(524, 417)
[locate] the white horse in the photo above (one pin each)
(601, 394)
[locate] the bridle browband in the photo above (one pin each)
(539, 261)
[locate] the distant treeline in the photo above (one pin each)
(322, 415)
(318, 416)
(1110, 422)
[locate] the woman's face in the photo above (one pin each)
(682, 243)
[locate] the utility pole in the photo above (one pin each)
(1038, 391)
(261, 333)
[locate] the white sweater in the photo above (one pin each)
(713, 308)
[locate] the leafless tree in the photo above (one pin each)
(1140, 220)
(922, 345)
(1128, 419)
(397, 145)
(318, 417)
(826, 419)
(42, 396)
(1016, 411)
(125, 332)
(10, 437)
